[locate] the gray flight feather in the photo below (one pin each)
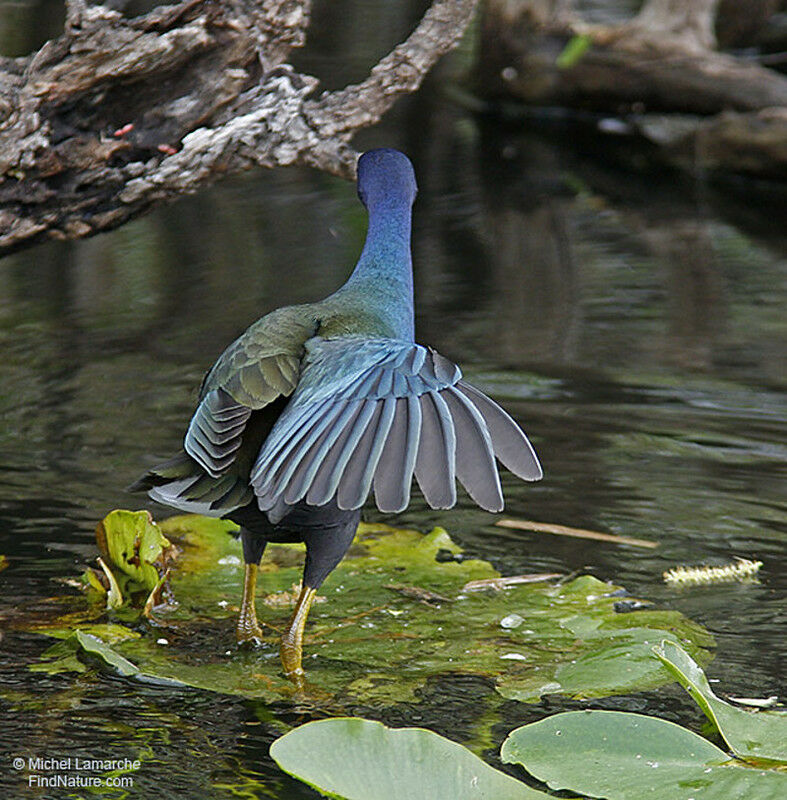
(435, 465)
(357, 479)
(394, 475)
(475, 457)
(510, 443)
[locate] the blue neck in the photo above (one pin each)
(382, 281)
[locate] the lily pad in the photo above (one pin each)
(749, 734)
(358, 759)
(374, 638)
(622, 756)
(62, 657)
(596, 651)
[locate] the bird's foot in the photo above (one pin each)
(291, 654)
(248, 633)
(298, 678)
(291, 650)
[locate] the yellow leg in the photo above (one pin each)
(292, 641)
(248, 630)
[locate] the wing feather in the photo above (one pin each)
(258, 367)
(329, 472)
(306, 463)
(356, 482)
(376, 412)
(240, 494)
(435, 464)
(475, 457)
(296, 440)
(509, 441)
(215, 431)
(394, 475)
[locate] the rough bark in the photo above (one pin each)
(119, 114)
(661, 62)
(640, 63)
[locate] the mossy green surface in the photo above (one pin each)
(373, 641)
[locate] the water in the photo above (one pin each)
(631, 318)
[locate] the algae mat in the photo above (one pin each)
(396, 613)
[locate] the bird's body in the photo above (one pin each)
(316, 406)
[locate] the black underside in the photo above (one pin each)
(326, 530)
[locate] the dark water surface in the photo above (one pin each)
(631, 318)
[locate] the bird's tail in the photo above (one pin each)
(182, 483)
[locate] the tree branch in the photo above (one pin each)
(732, 112)
(399, 73)
(685, 25)
(118, 115)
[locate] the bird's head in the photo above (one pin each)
(385, 174)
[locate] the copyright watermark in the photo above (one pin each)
(73, 772)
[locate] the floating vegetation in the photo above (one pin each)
(741, 570)
(754, 735)
(397, 617)
(135, 558)
(287, 598)
(612, 754)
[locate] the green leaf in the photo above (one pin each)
(615, 662)
(132, 543)
(576, 47)
(60, 657)
(371, 639)
(622, 756)
(94, 646)
(109, 633)
(603, 652)
(63, 656)
(358, 759)
(749, 734)
(114, 594)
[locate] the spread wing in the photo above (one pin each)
(260, 366)
(373, 413)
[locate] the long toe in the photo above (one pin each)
(248, 633)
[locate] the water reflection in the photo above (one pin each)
(25, 26)
(628, 317)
